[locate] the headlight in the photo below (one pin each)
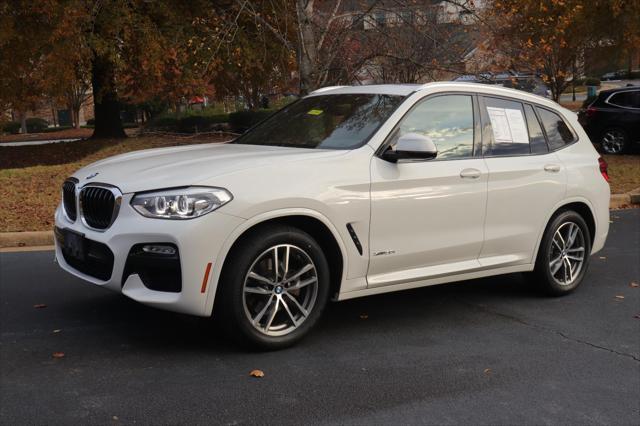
(180, 203)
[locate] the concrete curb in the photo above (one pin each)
(26, 239)
(45, 238)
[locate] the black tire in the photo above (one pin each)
(543, 276)
(231, 300)
(614, 141)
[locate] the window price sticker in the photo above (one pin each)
(508, 125)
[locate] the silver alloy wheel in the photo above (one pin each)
(280, 290)
(613, 141)
(567, 253)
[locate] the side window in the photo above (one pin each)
(447, 120)
(558, 132)
(509, 134)
(630, 99)
(536, 137)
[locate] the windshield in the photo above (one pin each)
(325, 122)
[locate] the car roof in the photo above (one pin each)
(618, 89)
(408, 89)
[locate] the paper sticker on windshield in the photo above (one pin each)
(508, 125)
(315, 112)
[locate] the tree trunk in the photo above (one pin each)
(23, 122)
(307, 50)
(76, 117)
(105, 100)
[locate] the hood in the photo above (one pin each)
(189, 165)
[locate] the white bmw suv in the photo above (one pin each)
(348, 192)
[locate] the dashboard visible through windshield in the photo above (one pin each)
(344, 121)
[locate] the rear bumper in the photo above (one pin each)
(197, 242)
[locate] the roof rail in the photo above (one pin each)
(325, 89)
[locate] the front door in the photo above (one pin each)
(427, 217)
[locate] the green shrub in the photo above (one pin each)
(200, 123)
(591, 81)
(36, 125)
(12, 127)
(163, 122)
(242, 120)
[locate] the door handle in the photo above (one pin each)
(552, 168)
(470, 174)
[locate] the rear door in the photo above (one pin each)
(526, 179)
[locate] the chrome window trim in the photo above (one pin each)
(116, 204)
(607, 101)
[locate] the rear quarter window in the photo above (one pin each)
(559, 134)
(629, 99)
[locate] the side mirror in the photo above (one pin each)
(412, 147)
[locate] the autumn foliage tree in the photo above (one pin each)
(549, 36)
(24, 32)
(125, 50)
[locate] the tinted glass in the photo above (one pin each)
(558, 132)
(509, 134)
(536, 138)
(447, 120)
(626, 99)
(324, 122)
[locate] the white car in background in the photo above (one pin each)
(348, 192)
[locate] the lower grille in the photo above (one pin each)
(69, 199)
(99, 206)
(95, 259)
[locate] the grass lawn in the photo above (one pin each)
(624, 171)
(31, 176)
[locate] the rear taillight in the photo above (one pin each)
(604, 168)
(591, 112)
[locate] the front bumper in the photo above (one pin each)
(198, 242)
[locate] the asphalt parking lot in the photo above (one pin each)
(488, 351)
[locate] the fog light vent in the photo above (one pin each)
(159, 249)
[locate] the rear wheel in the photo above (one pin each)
(613, 141)
(563, 255)
(275, 287)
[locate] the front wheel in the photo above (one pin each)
(563, 255)
(275, 287)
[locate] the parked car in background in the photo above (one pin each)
(347, 192)
(526, 82)
(612, 119)
(620, 75)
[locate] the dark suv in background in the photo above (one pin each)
(613, 119)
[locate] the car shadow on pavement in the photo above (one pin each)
(128, 323)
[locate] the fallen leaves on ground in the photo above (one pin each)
(364, 316)
(634, 284)
(39, 306)
(257, 373)
(487, 371)
(58, 355)
(603, 257)
(618, 296)
(57, 330)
